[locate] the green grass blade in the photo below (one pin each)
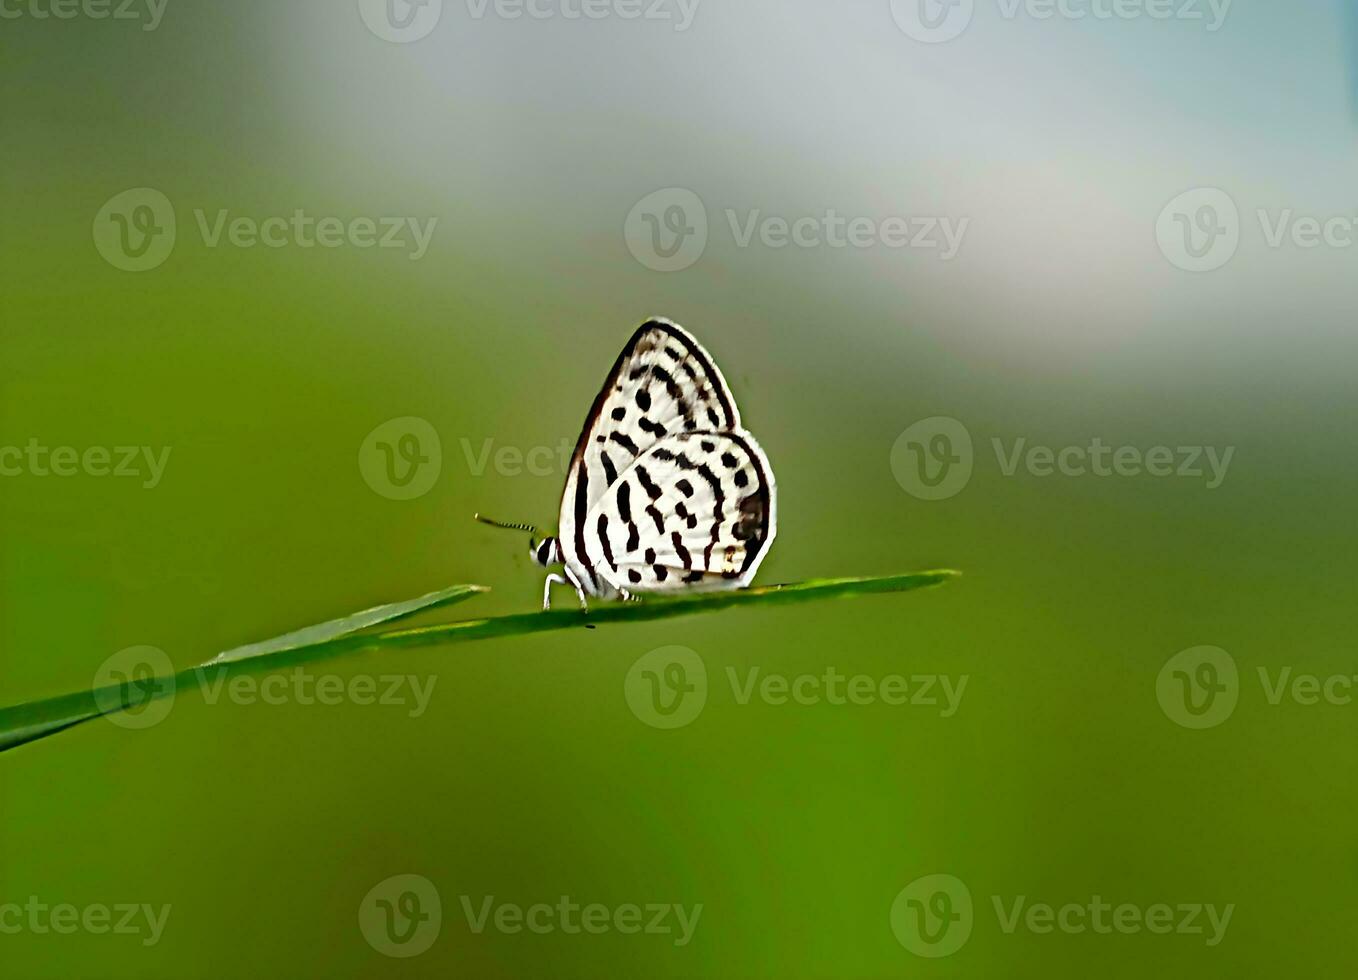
(28, 722)
(324, 632)
(653, 608)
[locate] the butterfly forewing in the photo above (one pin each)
(664, 384)
(695, 511)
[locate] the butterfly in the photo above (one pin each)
(666, 491)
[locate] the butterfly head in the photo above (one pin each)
(546, 552)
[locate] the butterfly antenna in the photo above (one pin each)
(508, 527)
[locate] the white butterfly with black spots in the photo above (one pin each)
(666, 491)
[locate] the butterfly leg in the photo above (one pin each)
(547, 590)
(575, 583)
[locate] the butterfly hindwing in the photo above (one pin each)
(695, 511)
(663, 384)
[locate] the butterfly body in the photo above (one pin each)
(666, 491)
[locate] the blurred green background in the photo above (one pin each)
(1059, 778)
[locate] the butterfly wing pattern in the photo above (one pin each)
(693, 512)
(666, 491)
